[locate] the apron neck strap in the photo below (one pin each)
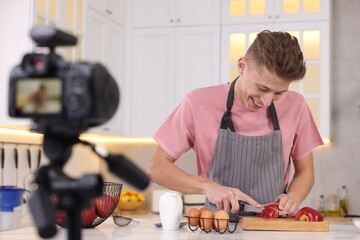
(226, 121)
(274, 117)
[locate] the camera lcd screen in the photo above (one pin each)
(38, 96)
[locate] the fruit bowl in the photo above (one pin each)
(130, 200)
(100, 208)
(128, 206)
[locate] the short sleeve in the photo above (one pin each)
(307, 136)
(176, 134)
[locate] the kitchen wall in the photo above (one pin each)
(336, 164)
(339, 163)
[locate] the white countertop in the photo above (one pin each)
(145, 229)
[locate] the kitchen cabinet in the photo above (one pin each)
(17, 18)
(113, 10)
(167, 63)
(104, 42)
(314, 39)
(14, 43)
(272, 11)
(175, 47)
(156, 13)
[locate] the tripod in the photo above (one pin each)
(74, 194)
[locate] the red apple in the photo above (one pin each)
(60, 218)
(88, 216)
(104, 205)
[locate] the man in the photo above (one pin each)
(263, 127)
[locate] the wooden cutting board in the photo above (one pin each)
(282, 224)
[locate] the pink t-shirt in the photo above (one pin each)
(195, 123)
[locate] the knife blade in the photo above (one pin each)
(250, 208)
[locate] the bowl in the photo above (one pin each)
(100, 208)
(129, 206)
(356, 222)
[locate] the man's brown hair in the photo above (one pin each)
(279, 52)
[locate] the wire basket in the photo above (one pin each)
(228, 225)
(100, 208)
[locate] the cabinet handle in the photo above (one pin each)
(178, 20)
(277, 16)
(269, 17)
(171, 20)
(108, 11)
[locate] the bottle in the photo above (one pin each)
(333, 206)
(344, 202)
(321, 207)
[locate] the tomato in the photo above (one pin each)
(270, 211)
(309, 215)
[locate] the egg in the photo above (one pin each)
(193, 215)
(221, 219)
(207, 220)
(202, 210)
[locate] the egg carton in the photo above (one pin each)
(209, 224)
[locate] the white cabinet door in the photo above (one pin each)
(301, 10)
(14, 43)
(314, 42)
(197, 12)
(250, 11)
(111, 9)
(104, 43)
(152, 79)
(168, 63)
(156, 13)
(197, 59)
(153, 13)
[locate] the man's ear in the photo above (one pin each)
(241, 65)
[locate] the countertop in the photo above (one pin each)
(145, 229)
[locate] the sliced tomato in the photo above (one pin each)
(270, 211)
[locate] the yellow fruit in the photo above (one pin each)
(141, 197)
(133, 198)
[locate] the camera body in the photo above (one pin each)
(60, 96)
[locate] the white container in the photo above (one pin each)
(155, 199)
(10, 220)
(170, 209)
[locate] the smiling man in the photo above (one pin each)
(245, 133)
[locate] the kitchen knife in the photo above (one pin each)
(251, 209)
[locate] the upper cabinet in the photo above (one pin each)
(113, 10)
(175, 48)
(156, 13)
(14, 43)
(17, 19)
(104, 42)
(307, 20)
(256, 11)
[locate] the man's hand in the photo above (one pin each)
(227, 198)
(287, 204)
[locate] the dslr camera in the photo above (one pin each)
(60, 96)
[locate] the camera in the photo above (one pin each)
(60, 96)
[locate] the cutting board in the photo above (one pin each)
(282, 224)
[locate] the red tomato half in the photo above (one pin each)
(270, 211)
(309, 214)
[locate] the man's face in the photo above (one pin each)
(258, 88)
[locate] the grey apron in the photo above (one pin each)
(253, 164)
